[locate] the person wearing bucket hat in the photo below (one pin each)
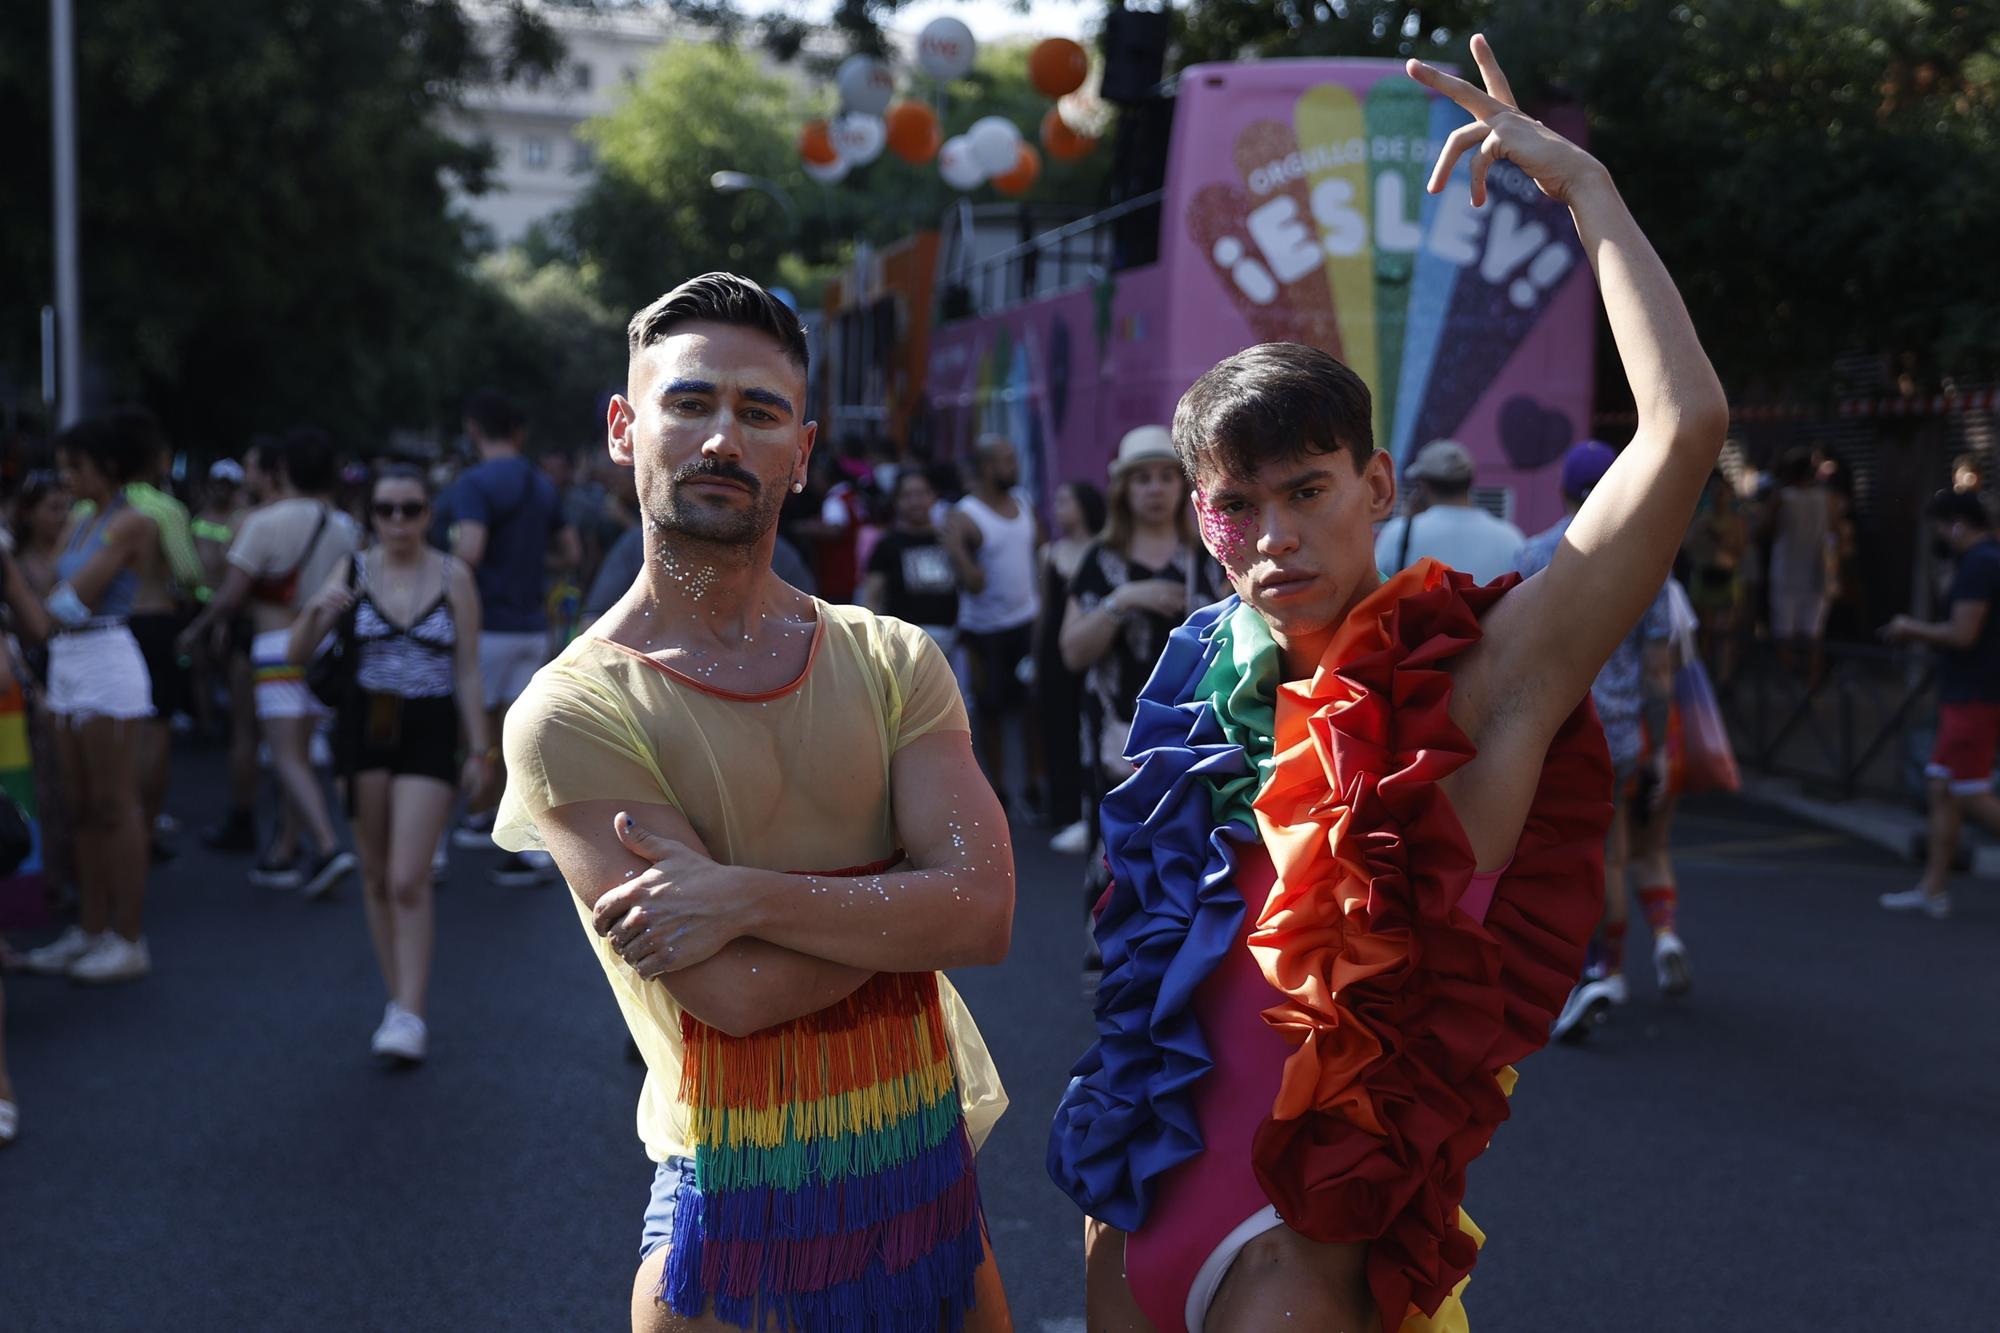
(1357, 869)
(1443, 524)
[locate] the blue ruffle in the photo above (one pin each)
(1128, 1117)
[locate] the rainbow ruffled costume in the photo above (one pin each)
(833, 1175)
(1285, 850)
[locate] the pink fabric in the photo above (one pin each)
(1201, 1201)
(1478, 895)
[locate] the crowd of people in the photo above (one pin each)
(355, 631)
(456, 583)
(1353, 877)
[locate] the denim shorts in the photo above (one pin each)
(668, 1179)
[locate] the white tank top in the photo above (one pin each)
(1007, 554)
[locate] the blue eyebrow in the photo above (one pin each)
(768, 399)
(688, 386)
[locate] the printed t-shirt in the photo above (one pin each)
(793, 780)
(922, 586)
(271, 541)
(1972, 675)
(1112, 683)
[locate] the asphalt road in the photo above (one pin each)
(1805, 1143)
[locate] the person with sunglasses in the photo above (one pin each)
(417, 704)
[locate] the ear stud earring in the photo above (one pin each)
(797, 487)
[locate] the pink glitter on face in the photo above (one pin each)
(1227, 535)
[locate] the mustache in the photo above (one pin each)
(708, 469)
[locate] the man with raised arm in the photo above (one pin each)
(769, 813)
(1357, 869)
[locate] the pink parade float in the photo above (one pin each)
(1288, 203)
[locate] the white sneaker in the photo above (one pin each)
(1934, 905)
(402, 1036)
(1586, 1007)
(10, 1122)
(1072, 841)
(114, 958)
(1670, 964)
(53, 959)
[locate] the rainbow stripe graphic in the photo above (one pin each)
(1327, 236)
(833, 1185)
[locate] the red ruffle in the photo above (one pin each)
(1404, 1011)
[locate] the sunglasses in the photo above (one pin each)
(400, 508)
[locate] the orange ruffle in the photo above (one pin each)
(1403, 1011)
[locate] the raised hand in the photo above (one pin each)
(1500, 131)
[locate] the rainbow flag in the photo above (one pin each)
(833, 1181)
(23, 894)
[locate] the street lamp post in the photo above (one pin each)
(735, 182)
(69, 301)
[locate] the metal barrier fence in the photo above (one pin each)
(1861, 728)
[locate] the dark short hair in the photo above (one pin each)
(497, 416)
(145, 438)
(909, 474)
(1272, 402)
(720, 298)
(1958, 507)
(400, 472)
(112, 449)
(304, 454)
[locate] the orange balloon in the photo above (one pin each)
(1021, 177)
(913, 131)
(1057, 67)
(816, 144)
(1061, 142)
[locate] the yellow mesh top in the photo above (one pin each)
(794, 780)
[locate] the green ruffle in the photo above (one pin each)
(1241, 688)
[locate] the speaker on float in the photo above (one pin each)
(1135, 53)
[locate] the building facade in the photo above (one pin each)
(541, 161)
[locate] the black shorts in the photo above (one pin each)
(156, 632)
(406, 737)
(994, 659)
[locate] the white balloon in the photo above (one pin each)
(865, 84)
(858, 138)
(827, 173)
(945, 49)
(996, 143)
(959, 165)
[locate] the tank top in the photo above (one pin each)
(1007, 553)
(85, 542)
(416, 662)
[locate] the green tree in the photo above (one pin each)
(651, 217)
(265, 233)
